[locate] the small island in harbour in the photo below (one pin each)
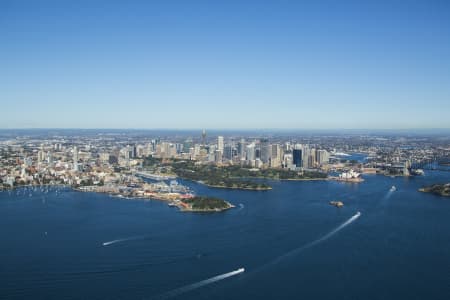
(203, 204)
(437, 189)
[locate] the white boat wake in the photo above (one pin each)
(388, 195)
(315, 242)
(122, 240)
(200, 284)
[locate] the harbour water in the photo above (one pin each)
(291, 242)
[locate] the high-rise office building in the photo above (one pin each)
(75, 158)
(275, 160)
(218, 156)
(196, 150)
(250, 152)
(203, 137)
(241, 149)
(297, 157)
(266, 151)
(220, 143)
(322, 157)
(140, 150)
(228, 152)
(312, 161)
(305, 156)
(41, 156)
(188, 143)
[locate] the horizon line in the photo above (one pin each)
(227, 129)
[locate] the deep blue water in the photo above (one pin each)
(399, 248)
(359, 157)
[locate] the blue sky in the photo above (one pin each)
(225, 64)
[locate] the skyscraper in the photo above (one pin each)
(275, 161)
(266, 151)
(297, 157)
(41, 156)
(228, 152)
(218, 156)
(322, 156)
(220, 143)
(305, 156)
(241, 149)
(75, 158)
(203, 137)
(312, 160)
(250, 152)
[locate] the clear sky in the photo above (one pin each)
(225, 64)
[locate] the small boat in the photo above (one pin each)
(393, 189)
(338, 204)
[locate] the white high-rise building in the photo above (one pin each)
(49, 157)
(250, 152)
(196, 150)
(275, 161)
(220, 143)
(322, 157)
(75, 158)
(218, 156)
(41, 156)
(241, 149)
(306, 151)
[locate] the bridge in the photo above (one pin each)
(439, 163)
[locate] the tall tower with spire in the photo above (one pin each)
(203, 137)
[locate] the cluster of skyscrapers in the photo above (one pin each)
(255, 153)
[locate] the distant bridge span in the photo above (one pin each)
(440, 163)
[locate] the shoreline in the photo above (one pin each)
(197, 210)
(350, 180)
(164, 197)
(442, 190)
(235, 188)
(282, 179)
(3, 188)
(171, 199)
(305, 179)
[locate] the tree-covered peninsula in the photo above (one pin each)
(229, 176)
(437, 189)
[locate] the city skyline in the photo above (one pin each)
(277, 65)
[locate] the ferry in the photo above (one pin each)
(417, 172)
(338, 204)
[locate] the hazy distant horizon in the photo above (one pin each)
(219, 131)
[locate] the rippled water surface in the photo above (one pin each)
(291, 242)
